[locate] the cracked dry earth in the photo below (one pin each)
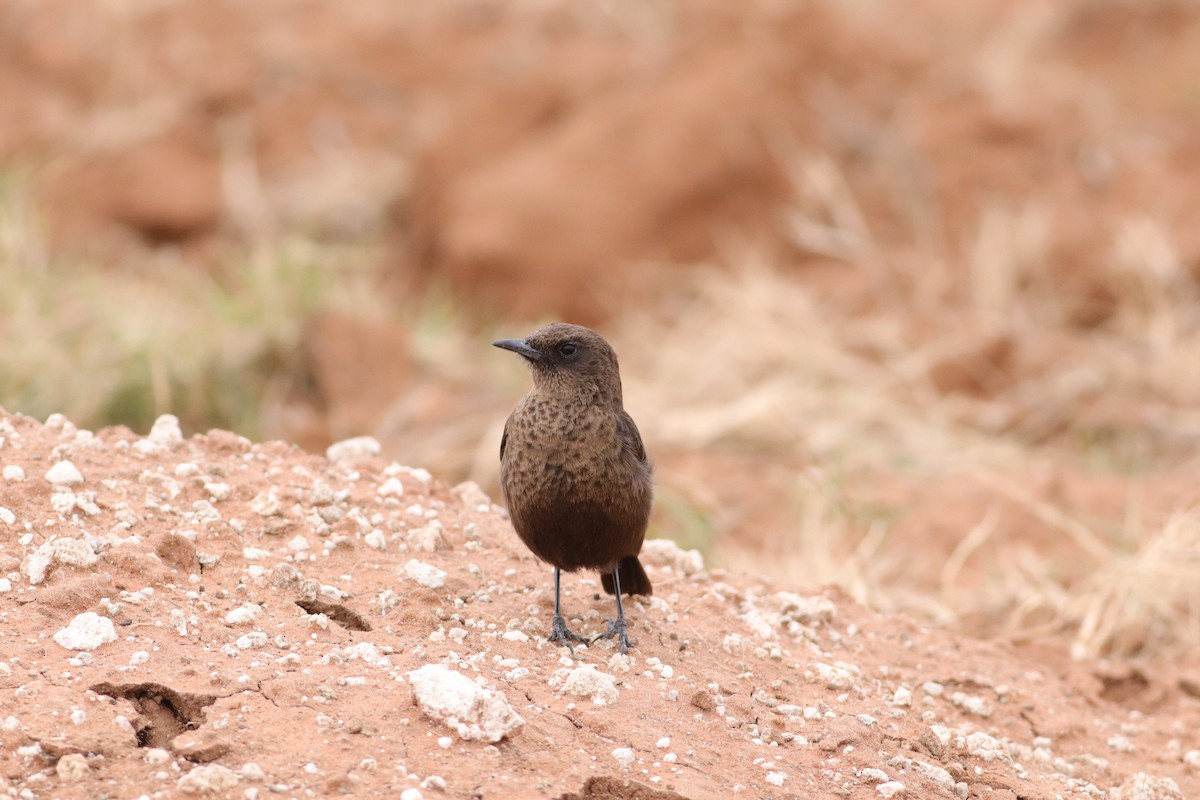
(214, 617)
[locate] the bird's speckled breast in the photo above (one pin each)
(558, 451)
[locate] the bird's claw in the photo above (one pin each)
(617, 629)
(559, 632)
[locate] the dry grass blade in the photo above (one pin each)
(1087, 541)
(1145, 600)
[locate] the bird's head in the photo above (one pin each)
(564, 356)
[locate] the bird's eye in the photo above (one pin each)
(568, 349)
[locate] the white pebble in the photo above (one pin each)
(471, 710)
(624, 757)
(138, 657)
(252, 641)
(64, 473)
(663, 743)
(243, 614)
(207, 779)
(217, 491)
(86, 631)
(425, 574)
(890, 788)
(392, 487)
(165, 431)
(426, 538)
(444, 742)
(354, 449)
(73, 768)
(589, 682)
(776, 778)
(156, 756)
(412, 794)
(13, 474)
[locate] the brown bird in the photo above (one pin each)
(573, 469)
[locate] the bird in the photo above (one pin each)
(574, 471)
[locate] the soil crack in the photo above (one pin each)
(347, 618)
(165, 713)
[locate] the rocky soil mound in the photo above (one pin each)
(215, 617)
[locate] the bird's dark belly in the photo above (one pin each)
(575, 536)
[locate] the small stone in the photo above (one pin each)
(243, 614)
(251, 641)
(202, 745)
(217, 491)
(972, 704)
(427, 538)
(589, 682)
(667, 553)
(207, 779)
(253, 772)
(356, 449)
(64, 473)
(165, 432)
(73, 768)
(266, 504)
(37, 563)
(412, 794)
(471, 710)
(87, 631)
(624, 757)
(776, 778)
(425, 574)
(392, 487)
(1144, 786)
(703, 700)
(74, 552)
(156, 756)
(890, 788)
(13, 473)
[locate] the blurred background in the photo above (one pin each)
(905, 293)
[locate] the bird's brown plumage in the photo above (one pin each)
(573, 469)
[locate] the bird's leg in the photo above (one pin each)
(559, 632)
(617, 627)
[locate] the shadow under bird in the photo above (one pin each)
(573, 469)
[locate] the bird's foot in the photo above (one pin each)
(617, 629)
(559, 632)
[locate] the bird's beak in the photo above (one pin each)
(519, 346)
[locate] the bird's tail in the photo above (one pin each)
(633, 578)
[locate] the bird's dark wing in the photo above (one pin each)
(504, 438)
(627, 430)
